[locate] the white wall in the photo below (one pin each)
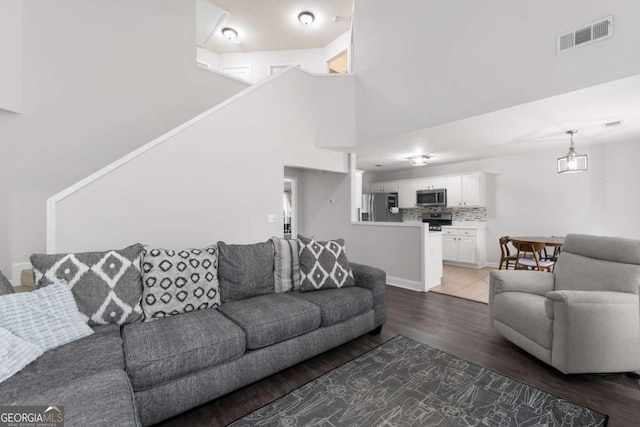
(216, 179)
(393, 249)
(312, 60)
(422, 63)
(100, 79)
(211, 59)
(528, 196)
(11, 55)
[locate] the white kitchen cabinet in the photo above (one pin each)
(431, 183)
(407, 193)
(465, 191)
(384, 187)
(464, 246)
(377, 187)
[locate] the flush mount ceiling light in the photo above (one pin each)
(572, 162)
(306, 18)
(421, 160)
(229, 33)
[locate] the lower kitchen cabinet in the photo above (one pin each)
(464, 246)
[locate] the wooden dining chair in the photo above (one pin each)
(554, 255)
(505, 253)
(528, 256)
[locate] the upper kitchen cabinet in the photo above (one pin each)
(466, 190)
(407, 193)
(431, 183)
(384, 187)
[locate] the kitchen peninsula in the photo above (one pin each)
(428, 244)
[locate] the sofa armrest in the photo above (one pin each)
(375, 280)
(590, 328)
(529, 281)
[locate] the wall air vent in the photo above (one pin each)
(590, 33)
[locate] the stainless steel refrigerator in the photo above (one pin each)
(380, 207)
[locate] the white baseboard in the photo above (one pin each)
(16, 271)
(404, 283)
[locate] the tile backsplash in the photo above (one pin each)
(459, 214)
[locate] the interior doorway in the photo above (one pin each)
(290, 209)
(339, 64)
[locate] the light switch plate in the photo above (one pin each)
(272, 218)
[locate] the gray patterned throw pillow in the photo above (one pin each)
(181, 281)
(323, 265)
(5, 286)
(286, 266)
(107, 286)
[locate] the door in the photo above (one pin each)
(453, 184)
(379, 206)
(407, 193)
(467, 249)
(471, 190)
(339, 64)
(449, 248)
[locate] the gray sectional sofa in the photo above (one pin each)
(144, 372)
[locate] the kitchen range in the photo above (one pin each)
(437, 219)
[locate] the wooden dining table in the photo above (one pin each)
(547, 240)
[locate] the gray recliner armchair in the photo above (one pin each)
(582, 318)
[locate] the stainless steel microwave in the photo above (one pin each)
(435, 197)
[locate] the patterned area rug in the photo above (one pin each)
(405, 383)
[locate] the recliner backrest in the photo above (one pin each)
(598, 263)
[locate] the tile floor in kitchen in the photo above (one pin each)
(465, 283)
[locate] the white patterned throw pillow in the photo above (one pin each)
(179, 281)
(323, 265)
(15, 354)
(34, 322)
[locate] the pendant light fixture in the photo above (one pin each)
(572, 162)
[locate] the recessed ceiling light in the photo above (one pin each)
(379, 166)
(306, 17)
(229, 33)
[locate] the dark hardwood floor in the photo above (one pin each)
(454, 325)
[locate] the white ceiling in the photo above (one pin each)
(535, 126)
(273, 24)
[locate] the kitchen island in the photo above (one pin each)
(412, 253)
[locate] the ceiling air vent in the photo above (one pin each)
(596, 31)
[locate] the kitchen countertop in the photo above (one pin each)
(388, 224)
(467, 224)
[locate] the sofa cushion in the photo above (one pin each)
(179, 281)
(98, 352)
(5, 286)
(338, 305)
(323, 265)
(286, 265)
(106, 285)
(271, 318)
(104, 399)
(526, 314)
(178, 346)
(245, 271)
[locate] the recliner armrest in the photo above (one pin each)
(588, 297)
(375, 280)
(532, 282)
